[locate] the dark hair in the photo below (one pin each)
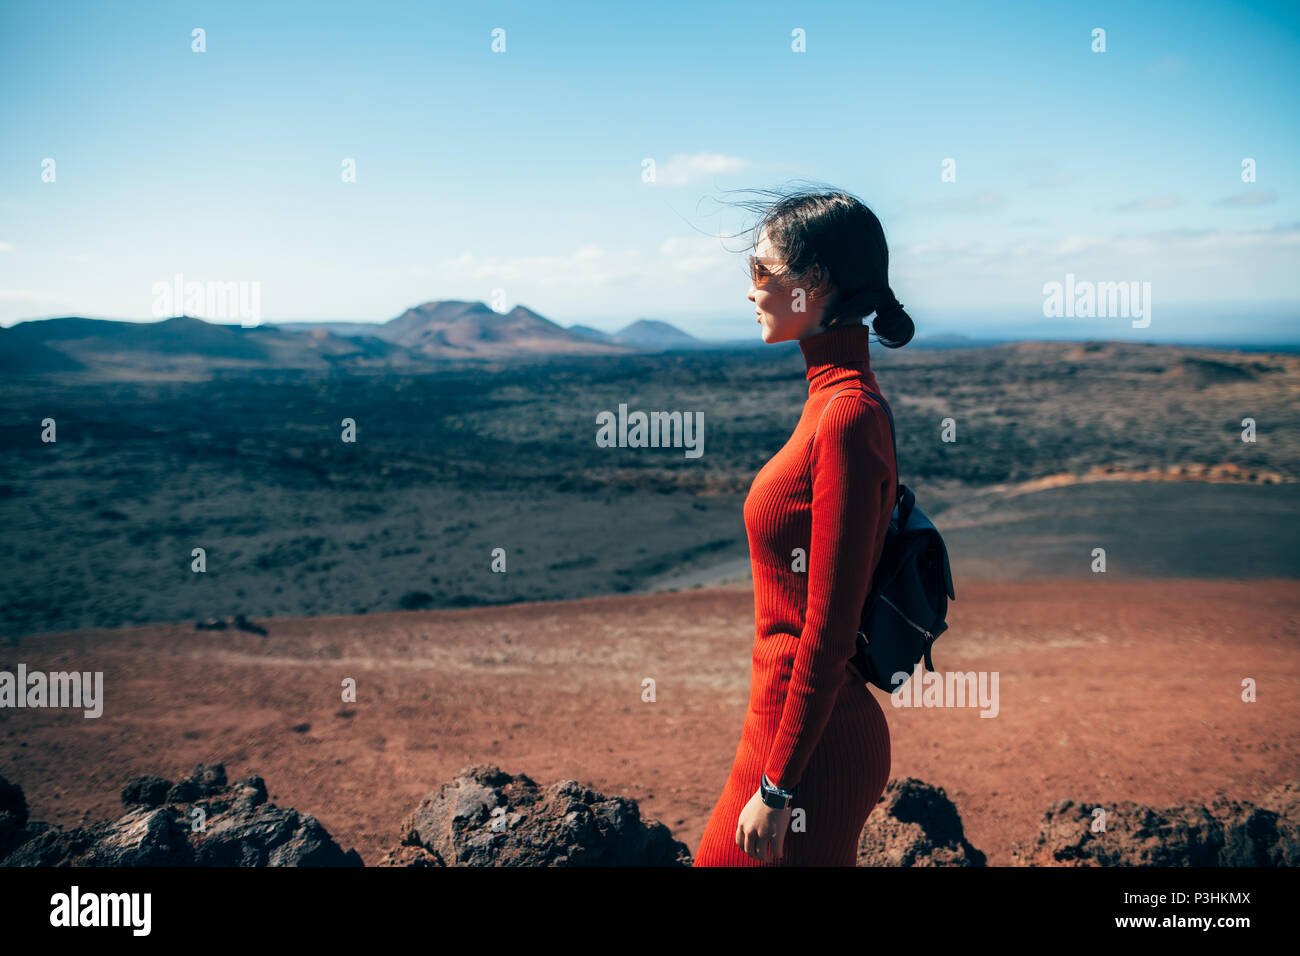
(835, 231)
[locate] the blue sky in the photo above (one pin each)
(521, 171)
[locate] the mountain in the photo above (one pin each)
(644, 335)
(455, 329)
(428, 333)
(656, 335)
(187, 347)
(587, 332)
(182, 346)
(344, 329)
(33, 357)
(649, 335)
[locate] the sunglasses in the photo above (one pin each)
(758, 270)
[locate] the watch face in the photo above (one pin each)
(775, 801)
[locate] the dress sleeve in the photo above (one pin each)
(852, 482)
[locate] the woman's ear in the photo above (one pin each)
(828, 294)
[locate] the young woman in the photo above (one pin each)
(814, 750)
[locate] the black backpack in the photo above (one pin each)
(905, 610)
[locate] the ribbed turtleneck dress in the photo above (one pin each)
(816, 517)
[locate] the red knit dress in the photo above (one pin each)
(816, 518)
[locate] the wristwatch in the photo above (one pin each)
(774, 797)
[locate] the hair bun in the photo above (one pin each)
(892, 325)
(888, 303)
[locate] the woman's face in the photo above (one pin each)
(774, 302)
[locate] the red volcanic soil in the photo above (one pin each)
(1108, 690)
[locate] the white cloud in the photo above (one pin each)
(682, 168)
(1250, 263)
(693, 273)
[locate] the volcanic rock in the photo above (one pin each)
(486, 817)
(915, 824)
(1225, 833)
(200, 822)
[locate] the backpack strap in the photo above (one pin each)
(892, 437)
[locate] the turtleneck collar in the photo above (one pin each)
(840, 347)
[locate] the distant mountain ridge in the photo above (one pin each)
(425, 334)
(646, 334)
(455, 329)
(433, 331)
(452, 328)
(180, 345)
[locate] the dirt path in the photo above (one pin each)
(1108, 690)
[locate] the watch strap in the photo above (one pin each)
(779, 799)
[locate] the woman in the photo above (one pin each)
(814, 751)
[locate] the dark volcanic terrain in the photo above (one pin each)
(1061, 447)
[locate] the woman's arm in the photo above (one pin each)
(852, 482)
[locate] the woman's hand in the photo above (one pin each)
(760, 830)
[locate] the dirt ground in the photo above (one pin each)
(1108, 690)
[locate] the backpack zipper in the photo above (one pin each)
(928, 635)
